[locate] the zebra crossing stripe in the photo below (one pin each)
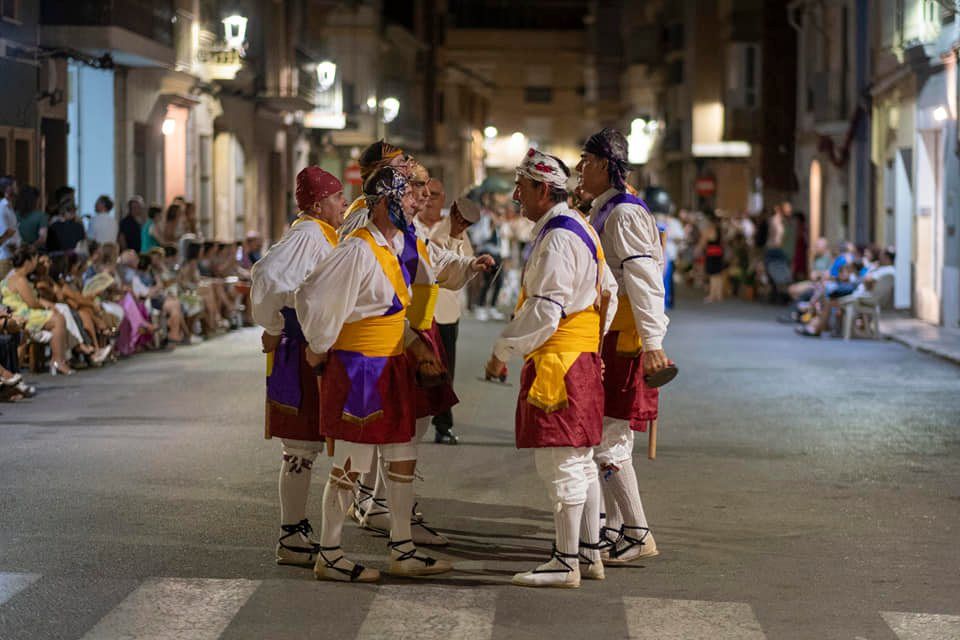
(13, 583)
(922, 626)
(430, 613)
(175, 608)
(663, 619)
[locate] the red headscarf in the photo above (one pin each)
(314, 184)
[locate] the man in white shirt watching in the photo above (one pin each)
(9, 235)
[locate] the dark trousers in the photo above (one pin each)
(8, 352)
(448, 336)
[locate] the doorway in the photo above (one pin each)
(929, 227)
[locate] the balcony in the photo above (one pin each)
(136, 33)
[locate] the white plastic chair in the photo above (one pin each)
(867, 307)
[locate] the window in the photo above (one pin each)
(675, 72)
(10, 10)
(22, 164)
(542, 95)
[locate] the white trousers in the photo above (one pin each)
(616, 445)
(567, 472)
(360, 456)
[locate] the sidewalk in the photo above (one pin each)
(916, 334)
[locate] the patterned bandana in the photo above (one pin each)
(610, 145)
(541, 167)
(389, 183)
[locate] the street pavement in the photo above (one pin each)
(803, 489)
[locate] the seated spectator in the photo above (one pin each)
(103, 226)
(78, 342)
(32, 219)
(35, 315)
(89, 318)
(161, 300)
(820, 271)
(849, 292)
(252, 249)
(67, 232)
(194, 290)
(10, 341)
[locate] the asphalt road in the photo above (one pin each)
(803, 489)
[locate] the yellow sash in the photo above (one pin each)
(628, 342)
(378, 336)
(359, 203)
(576, 334)
(328, 231)
(424, 301)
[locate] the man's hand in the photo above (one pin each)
(496, 368)
(269, 342)
(315, 359)
(653, 361)
(483, 263)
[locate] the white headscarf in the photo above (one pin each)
(541, 167)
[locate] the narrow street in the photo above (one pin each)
(802, 489)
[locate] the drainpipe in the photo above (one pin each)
(862, 212)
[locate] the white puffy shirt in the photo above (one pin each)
(348, 285)
(563, 273)
(630, 230)
(280, 271)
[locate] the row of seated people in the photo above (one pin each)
(66, 311)
(851, 275)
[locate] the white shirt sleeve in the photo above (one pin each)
(608, 287)
(328, 296)
(278, 273)
(549, 283)
(453, 270)
(637, 239)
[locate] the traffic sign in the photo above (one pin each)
(352, 174)
(705, 186)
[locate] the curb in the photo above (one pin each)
(922, 348)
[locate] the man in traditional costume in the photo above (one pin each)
(633, 356)
(293, 400)
(354, 306)
(430, 267)
(557, 329)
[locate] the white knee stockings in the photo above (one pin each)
(294, 484)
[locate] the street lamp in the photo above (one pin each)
(168, 127)
(326, 74)
(234, 31)
(490, 132)
(391, 109)
(940, 114)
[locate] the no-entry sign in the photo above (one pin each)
(352, 174)
(705, 186)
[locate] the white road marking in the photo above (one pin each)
(13, 583)
(412, 612)
(922, 626)
(174, 609)
(662, 619)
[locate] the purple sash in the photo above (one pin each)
(568, 223)
(601, 218)
(283, 383)
(363, 372)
